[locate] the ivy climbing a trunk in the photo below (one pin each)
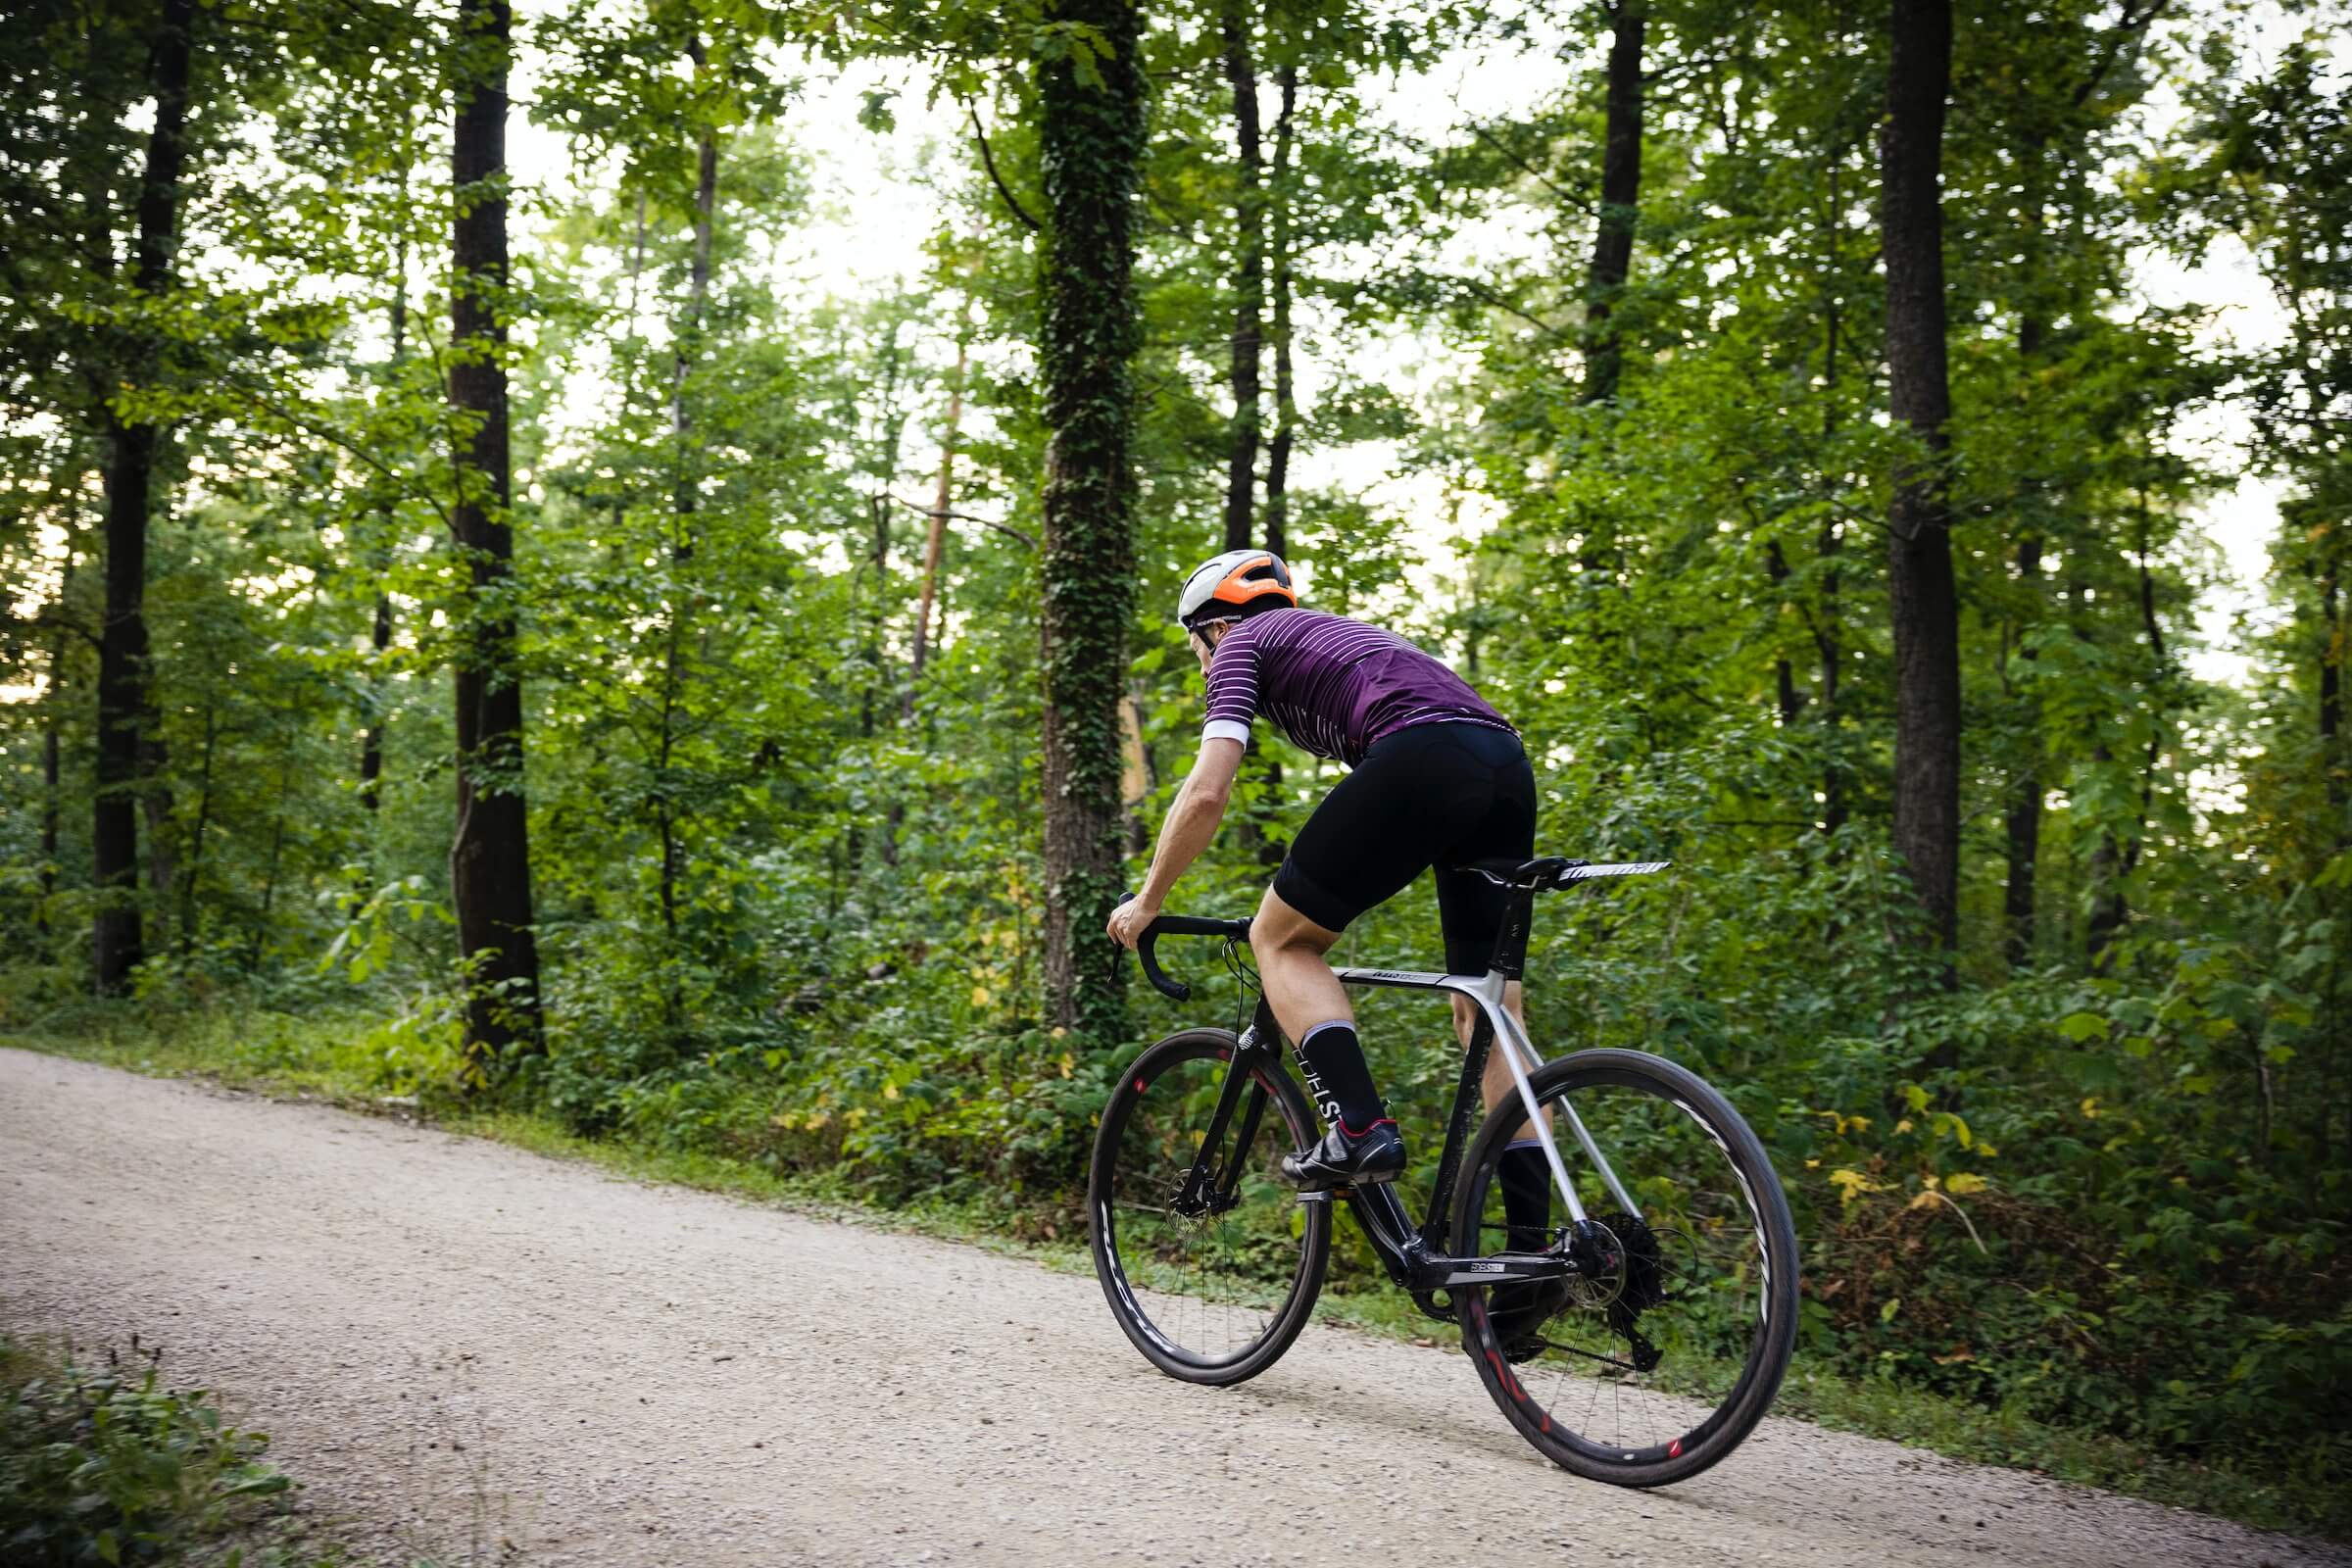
(1091, 138)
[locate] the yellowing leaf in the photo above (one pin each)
(890, 1090)
(1853, 1184)
(2090, 1108)
(1966, 1182)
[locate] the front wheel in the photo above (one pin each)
(1662, 1355)
(1209, 1261)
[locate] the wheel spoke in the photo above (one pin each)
(1655, 1348)
(1202, 1289)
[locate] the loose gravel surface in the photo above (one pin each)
(475, 1354)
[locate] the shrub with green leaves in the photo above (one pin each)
(103, 1463)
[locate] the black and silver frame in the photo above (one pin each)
(1420, 1258)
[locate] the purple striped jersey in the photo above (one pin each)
(1334, 685)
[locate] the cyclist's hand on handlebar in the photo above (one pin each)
(1128, 923)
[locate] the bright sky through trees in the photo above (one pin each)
(877, 202)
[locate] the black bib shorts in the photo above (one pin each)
(1434, 795)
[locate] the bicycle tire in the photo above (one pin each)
(1551, 1424)
(1137, 1280)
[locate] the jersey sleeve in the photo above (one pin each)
(1232, 689)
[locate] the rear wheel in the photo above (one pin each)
(1672, 1342)
(1209, 1261)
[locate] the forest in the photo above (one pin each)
(512, 562)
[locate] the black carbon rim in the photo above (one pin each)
(1206, 1296)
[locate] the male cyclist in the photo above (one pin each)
(1437, 778)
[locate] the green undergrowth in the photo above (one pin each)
(354, 1061)
(102, 1462)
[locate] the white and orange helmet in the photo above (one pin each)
(1219, 588)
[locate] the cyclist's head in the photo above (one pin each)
(1233, 586)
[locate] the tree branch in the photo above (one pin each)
(1569, 197)
(1004, 528)
(988, 160)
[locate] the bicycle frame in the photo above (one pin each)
(1418, 1258)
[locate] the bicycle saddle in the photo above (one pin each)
(1551, 872)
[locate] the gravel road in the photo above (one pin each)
(466, 1351)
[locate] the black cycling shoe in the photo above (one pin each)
(1517, 1312)
(1339, 1161)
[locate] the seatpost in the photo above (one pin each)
(1511, 943)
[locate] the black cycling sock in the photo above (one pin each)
(1525, 1183)
(1339, 1081)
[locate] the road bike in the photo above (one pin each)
(1676, 1302)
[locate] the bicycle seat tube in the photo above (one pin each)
(1509, 963)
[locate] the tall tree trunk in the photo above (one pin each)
(1620, 198)
(1923, 596)
(2331, 687)
(686, 478)
(1092, 147)
(379, 634)
(260, 935)
(1271, 846)
(1249, 282)
(372, 739)
(1829, 631)
(53, 715)
(686, 482)
(2113, 908)
(198, 828)
(879, 682)
(2105, 873)
(1776, 566)
(1829, 639)
(489, 858)
(126, 711)
(935, 537)
(1286, 406)
(2023, 816)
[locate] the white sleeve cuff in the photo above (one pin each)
(1225, 729)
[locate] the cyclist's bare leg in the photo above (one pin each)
(1289, 950)
(1498, 1085)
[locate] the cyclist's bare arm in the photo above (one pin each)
(1192, 823)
